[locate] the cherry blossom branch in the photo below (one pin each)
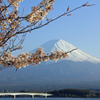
(11, 26)
(68, 12)
(23, 60)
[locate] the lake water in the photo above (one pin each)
(50, 98)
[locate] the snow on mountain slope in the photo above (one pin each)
(64, 46)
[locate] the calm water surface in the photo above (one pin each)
(50, 99)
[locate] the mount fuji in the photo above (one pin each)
(78, 70)
(77, 55)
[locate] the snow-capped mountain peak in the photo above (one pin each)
(64, 46)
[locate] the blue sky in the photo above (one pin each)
(82, 29)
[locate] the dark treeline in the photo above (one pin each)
(84, 93)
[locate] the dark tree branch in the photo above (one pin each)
(5, 8)
(20, 32)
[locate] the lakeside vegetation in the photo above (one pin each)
(76, 93)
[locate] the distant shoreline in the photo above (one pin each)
(64, 93)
